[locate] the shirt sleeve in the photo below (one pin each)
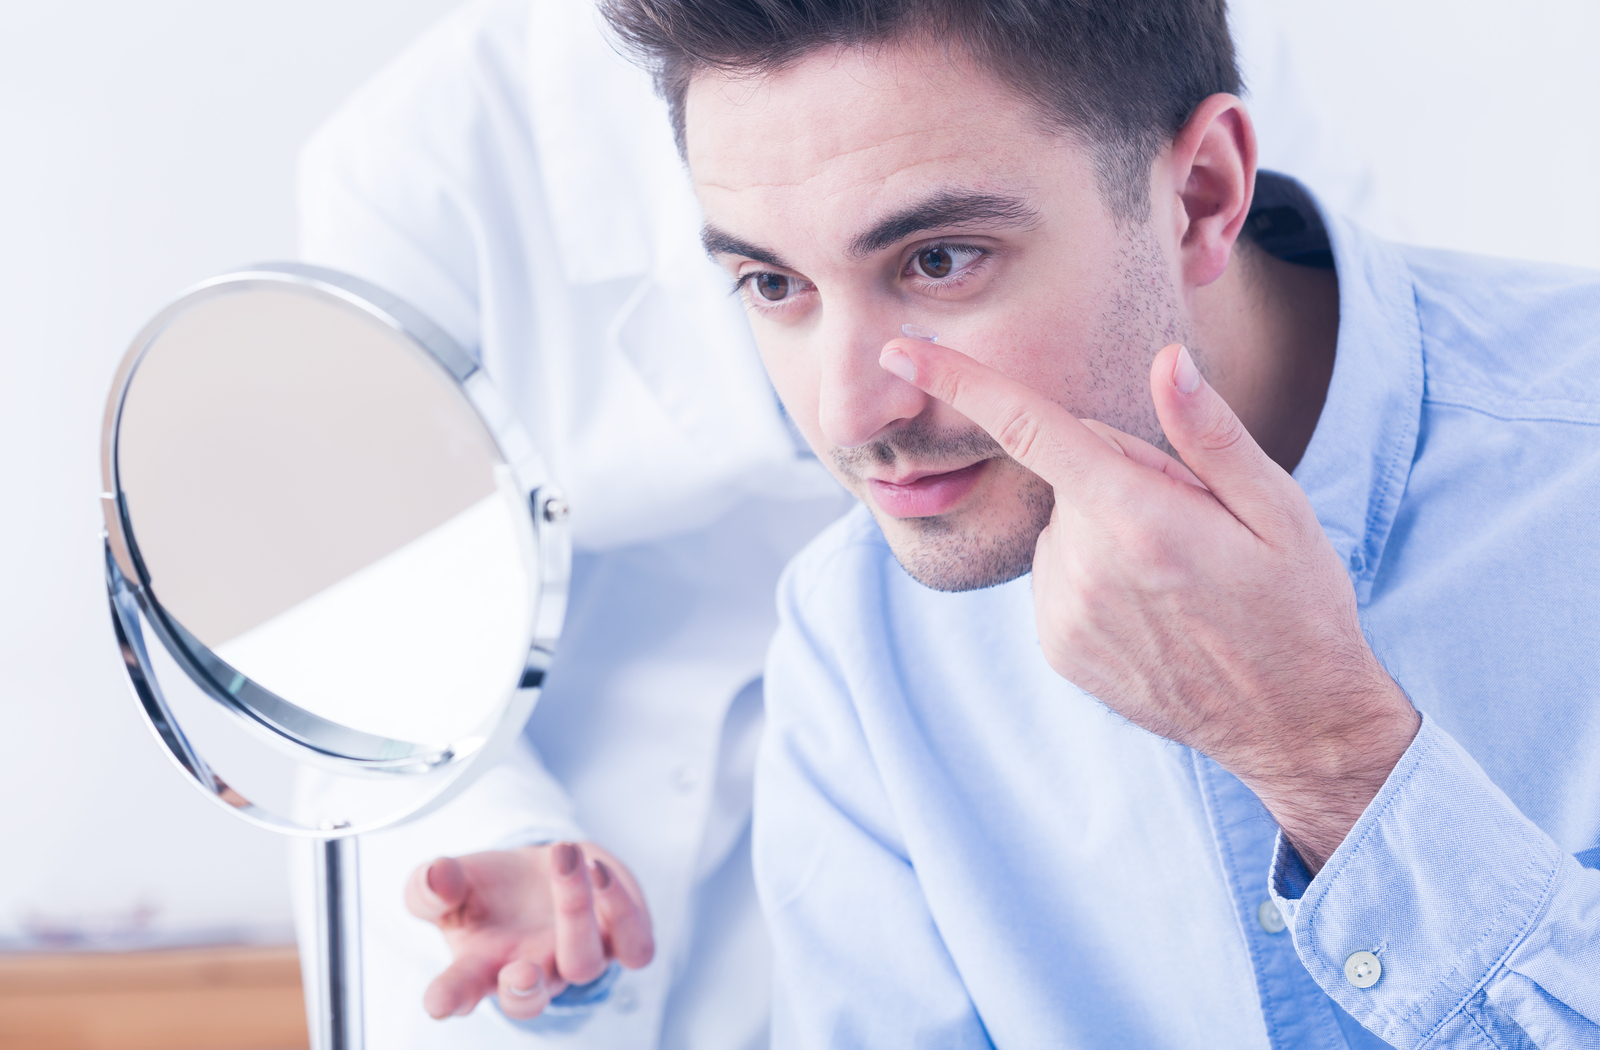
(1484, 931)
(858, 962)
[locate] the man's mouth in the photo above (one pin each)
(923, 494)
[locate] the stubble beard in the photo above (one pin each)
(989, 545)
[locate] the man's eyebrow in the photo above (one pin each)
(716, 243)
(942, 210)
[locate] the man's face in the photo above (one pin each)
(857, 191)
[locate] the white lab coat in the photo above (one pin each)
(515, 179)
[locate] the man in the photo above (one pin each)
(1001, 811)
(517, 180)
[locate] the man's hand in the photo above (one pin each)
(526, 923)
(1207, 607)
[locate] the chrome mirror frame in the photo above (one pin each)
(132, 602)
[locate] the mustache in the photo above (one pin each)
(920, 441)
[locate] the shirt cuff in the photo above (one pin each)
(1439, 881)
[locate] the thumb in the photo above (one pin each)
(1215, 445)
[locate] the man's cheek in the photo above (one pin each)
(799, 388)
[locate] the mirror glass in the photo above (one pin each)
(326, 538)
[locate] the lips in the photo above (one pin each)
(926, 495)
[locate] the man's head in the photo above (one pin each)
(1042, 183)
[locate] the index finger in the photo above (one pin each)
(580, 954)
(1032, 429)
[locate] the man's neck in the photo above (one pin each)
(1268, 330)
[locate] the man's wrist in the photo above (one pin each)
(1317, 790)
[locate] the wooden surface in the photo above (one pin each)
(181, 999)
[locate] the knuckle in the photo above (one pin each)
(1223, 433)
(1019, 433)
(944, 383)
(575, 905)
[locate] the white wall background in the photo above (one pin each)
(144, 146)
(1480, 118)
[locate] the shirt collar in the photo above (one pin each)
(1356, 467)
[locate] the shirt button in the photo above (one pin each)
(1271, 918)
(684, 779)
(627, 1000)
(1363, 969)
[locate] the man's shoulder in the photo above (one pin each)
(1506, 338)
(843, 559)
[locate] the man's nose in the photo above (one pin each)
(858, 399)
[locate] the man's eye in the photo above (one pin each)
(774, 287)
(941, 261)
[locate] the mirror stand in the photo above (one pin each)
(338, 890)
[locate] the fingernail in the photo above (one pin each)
(602, 875)
(567, 858)
(897, 362)
(916, 331)
(1185, 376)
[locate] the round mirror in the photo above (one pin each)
(336, 566)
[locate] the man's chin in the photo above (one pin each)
(947, 554)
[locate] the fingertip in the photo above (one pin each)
(524, 992)
(1161, 368)
(439, 1002)
(896, 361)
(637, 955)
(601, 875)
(445, 881)
(567, 859)
(1185, 376)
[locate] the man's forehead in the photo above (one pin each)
(844, 138)
(842, 115)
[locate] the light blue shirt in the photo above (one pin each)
(957, 848)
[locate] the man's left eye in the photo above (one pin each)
(774, 287)
(942, 260)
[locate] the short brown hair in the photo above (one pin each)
(1124, 74)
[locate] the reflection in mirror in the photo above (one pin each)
(326, 515)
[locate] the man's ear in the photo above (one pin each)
(1212, 163)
